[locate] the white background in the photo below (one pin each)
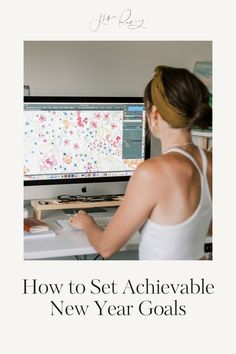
(27, 323)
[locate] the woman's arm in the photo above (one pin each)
(139, 201)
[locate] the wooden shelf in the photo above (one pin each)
(203, 133)
(204, 138)
(53, 204)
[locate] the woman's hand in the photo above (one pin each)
(85, 222)
(82, 220)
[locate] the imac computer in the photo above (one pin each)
(82, 145)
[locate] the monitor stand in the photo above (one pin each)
(97, 207)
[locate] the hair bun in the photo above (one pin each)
(202, 117)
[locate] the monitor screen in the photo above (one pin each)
(69, 139)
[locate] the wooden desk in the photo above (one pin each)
(67, 243)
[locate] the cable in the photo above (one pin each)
(97, 256)
(78, 258)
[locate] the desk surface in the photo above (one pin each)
(67, 243)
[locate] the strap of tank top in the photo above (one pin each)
(185, 153)
(204, 171)
(204, 161)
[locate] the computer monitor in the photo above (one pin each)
(82, 145)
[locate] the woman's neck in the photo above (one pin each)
(175, 137)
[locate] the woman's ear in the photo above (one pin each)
(153, 116)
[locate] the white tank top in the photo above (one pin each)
(184, 241)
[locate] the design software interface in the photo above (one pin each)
(80, 140)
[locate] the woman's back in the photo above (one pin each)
(178, 224)
(168, 196)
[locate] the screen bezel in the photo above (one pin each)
(84, 99)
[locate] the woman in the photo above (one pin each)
(169, 196)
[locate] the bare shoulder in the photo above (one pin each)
(144, 179)
(148, 166)
(154, 167)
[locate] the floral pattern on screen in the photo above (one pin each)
(73, 141)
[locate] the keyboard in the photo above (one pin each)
(102, 221)
(64, 224)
